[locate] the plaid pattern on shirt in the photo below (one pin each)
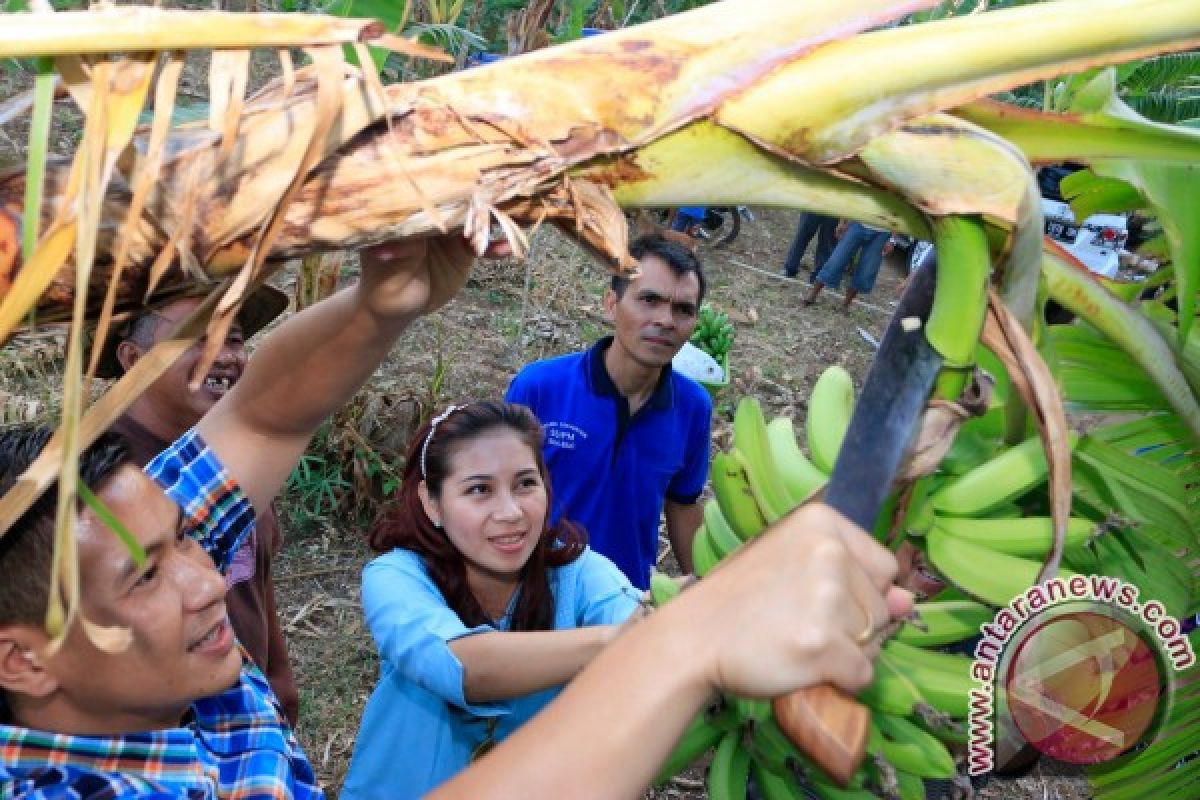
(235, 745)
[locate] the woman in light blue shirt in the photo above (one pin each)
(480, 611)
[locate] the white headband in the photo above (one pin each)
(438, 420)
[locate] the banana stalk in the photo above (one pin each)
(140, 29)
(517, 128)
(960, 302)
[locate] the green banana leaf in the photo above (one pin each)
(1171, 190)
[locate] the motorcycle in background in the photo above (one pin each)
(716, 226)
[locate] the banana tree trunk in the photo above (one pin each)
(550, 135)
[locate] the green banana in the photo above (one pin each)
(986, 574)
(943, 728)
(704, 557)
(737, 502)
(773, 785)
(942, 679)
(1026, 536)
(890, 690)
(751, 448)
(701, 734)
(748, 710)
(909, 748)
(829, 409)
(945, 621)
(730, 768)
(799, 476)
(911, 786)
(663, 588)
(722, 538)
(827, 791)
(970, 449)
(714, 332)
(1004, 477)
(770, 746)
(928, 656)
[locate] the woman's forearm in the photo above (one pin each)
(610, 729)
(502, 665)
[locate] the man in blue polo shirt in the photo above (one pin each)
(627, 437)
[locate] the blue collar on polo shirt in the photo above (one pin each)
(602, 384)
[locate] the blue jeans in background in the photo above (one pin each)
(868, 245)
(811, 225)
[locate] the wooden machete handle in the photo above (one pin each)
(827, 725)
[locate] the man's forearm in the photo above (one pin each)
(682, 523)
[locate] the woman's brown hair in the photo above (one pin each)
(405, 524)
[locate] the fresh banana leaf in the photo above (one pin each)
(1172, 191)
(1089, 193)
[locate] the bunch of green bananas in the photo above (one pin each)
(980, 519)
(714, 332)
(983, 526)
(762, 477)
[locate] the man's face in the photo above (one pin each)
(172, 400)
(181, 646)
(657, 313)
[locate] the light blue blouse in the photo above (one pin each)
(418, 729)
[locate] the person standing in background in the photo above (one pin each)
(856, 239)
(627, 436)
(811, 224)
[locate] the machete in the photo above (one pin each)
(826, 724)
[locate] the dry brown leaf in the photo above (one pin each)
(227, 75)
(411, 47)
(104, 412)
(940, 424)
(329, 103)
(1031, 378)
(147, 172)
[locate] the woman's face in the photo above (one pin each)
(493, 504)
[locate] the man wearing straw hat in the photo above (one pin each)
(164, 412)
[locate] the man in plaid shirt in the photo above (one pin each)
(149, 694)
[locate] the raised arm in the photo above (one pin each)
(315, 361)
(784, 613)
